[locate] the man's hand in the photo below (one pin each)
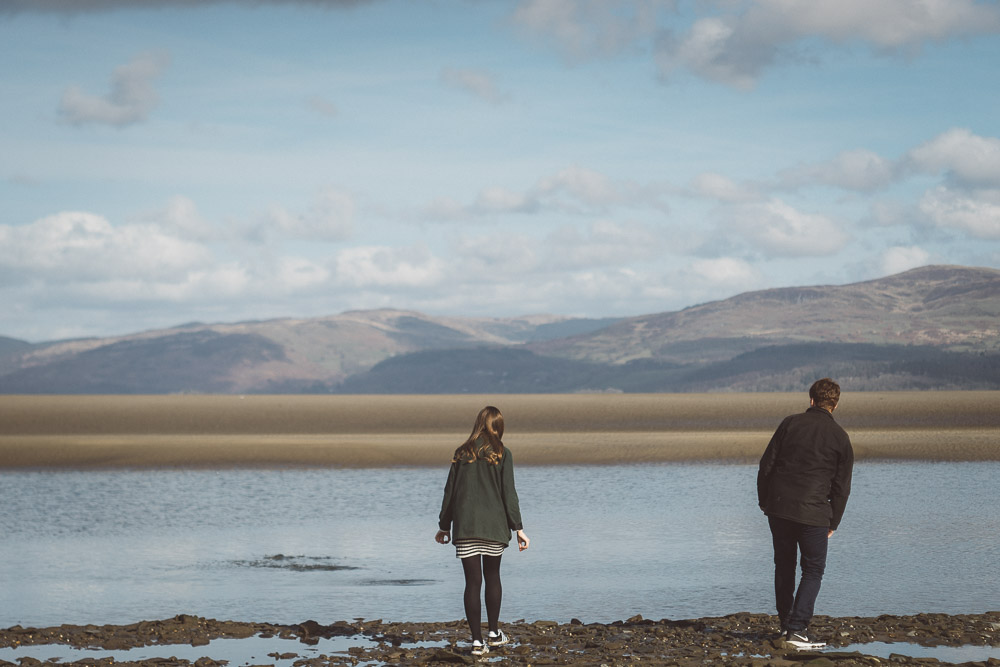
(830, 534)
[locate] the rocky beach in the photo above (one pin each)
(736, 639)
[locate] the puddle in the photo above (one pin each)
(953, 654)
(246, 651)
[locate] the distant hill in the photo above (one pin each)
(937, 327)
(280, 356)
(950, 307)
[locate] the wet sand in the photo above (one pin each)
(737, 639)
(374, 431)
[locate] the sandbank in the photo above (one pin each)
(377, 431)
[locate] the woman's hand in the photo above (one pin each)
(522, 541)
(442, 537)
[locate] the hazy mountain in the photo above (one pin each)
(951, 307)
(934, 327)
(281, 355)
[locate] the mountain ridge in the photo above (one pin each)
(897, 326)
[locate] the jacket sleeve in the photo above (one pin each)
(767, 462)
(448, 503)
(511, 503)
(840, 488)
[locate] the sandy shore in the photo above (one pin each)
(737, 639)
(372, 431)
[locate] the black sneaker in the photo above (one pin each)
(801, 639)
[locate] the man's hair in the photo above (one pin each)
(825, 393)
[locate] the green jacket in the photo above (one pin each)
(480, 500)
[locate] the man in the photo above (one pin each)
(803, 483)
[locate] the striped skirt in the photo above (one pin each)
(476, 547)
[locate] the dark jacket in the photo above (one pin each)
(805, 472)
(480, 500)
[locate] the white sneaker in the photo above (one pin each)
(801, 639)
(496, 638)
(479, 648)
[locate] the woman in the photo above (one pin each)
(479, 510)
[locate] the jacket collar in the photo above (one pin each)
(818, 410)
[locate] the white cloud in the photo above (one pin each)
(478, 83)
(444, 208)
(181, 218)
(587, 28)
(129, 101)
(601, 244)
(495, 200)
(887, 24)
(734, 48)
(730, 272)
(722, 189)
(76, 246)
(384, 266)
(780, 230)
(574, 190)
(595, 190)
(860, 170)
(78, 6)
(199, 286)
(297, 273)
(330, 217)
(483, 258)
(892, 214)
(976, 213)
(710, 51)
(970, 158)
(902, 258)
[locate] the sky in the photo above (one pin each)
(171, 161)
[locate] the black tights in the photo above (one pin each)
(476, 569)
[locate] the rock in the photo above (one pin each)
(442, 655)
(740, 639)
(820, 662)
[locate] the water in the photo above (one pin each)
(608, 542)
(244, 651)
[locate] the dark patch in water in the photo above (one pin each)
(399, 582)
(296, 563)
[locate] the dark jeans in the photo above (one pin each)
(795, 609)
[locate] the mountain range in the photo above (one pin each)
(936, 327)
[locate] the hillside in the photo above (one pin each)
(936, 327)
(280, 356)
(948, 307)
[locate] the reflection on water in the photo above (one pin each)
(949, 654)
(246, 651)
(608, 542)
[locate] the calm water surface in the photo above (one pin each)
(608, 542)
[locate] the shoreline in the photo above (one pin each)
(427, 450)
(737, 639)
(87, 432)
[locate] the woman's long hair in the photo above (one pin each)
(485, 440)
